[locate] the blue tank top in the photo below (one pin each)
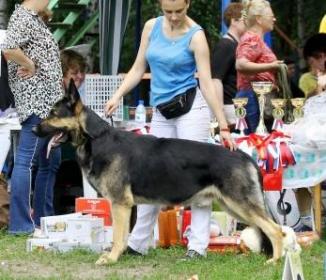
(172, 64)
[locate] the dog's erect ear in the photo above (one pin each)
(72, 92)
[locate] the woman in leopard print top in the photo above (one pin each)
(35, 78)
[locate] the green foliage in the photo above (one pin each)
(288, 20)
(208, 15)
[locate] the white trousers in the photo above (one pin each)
(193, 126)
(4, 144)
(229, 112)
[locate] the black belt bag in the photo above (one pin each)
(179, 105)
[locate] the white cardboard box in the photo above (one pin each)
(108, 235)
(55, 227)
(68, 246)
(40, 244)
(87, 230)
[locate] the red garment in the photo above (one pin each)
(253, 48)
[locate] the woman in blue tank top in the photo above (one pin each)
(174, 47)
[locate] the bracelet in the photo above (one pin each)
(225, 129)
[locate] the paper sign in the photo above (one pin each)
(292, 267)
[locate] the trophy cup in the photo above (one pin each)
(261, 88)
(278, 113)
(297, 104)
(240, 113)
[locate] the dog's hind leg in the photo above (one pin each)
(273, 232)
(255, 215)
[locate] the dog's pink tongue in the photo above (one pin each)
(52, 143)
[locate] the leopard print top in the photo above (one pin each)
(37, 94)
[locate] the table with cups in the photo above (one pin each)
(285, 164)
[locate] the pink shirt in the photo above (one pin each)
(253, 48)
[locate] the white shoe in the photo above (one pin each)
(38, 233)
(307, 221)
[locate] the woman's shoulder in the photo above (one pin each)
(151, 22)
(149, 25)
(250, 37)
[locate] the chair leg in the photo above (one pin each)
(317, 207)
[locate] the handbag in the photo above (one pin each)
(178, 105)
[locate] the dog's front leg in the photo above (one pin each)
(121, 217)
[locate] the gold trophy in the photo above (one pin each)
(298, 105)
(278, 113)
(240, 113)
(261, 88)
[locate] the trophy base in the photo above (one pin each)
(261, 130)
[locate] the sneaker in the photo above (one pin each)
(192, 255)
(130, 251)
(307, 221)
(303, 228)
(38, 233)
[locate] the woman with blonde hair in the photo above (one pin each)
(255, 61)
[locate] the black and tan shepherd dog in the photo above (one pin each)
(130, 169)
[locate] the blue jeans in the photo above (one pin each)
(252, 108)
(31, 154)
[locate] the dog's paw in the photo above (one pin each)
(105, 259)
(272, 261)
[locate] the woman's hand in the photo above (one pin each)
(26, 71)
(276, 65)
(111, 106)
(227, 140)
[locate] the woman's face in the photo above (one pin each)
(175, 11)
(75, 74)
(267, 20)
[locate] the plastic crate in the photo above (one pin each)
(99, 207)
(99, 89)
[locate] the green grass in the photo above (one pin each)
(16, 263)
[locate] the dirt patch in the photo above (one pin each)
(32, 270)
(28, 269)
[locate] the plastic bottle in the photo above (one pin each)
(140, 114)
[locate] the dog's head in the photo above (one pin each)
(64, 122)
